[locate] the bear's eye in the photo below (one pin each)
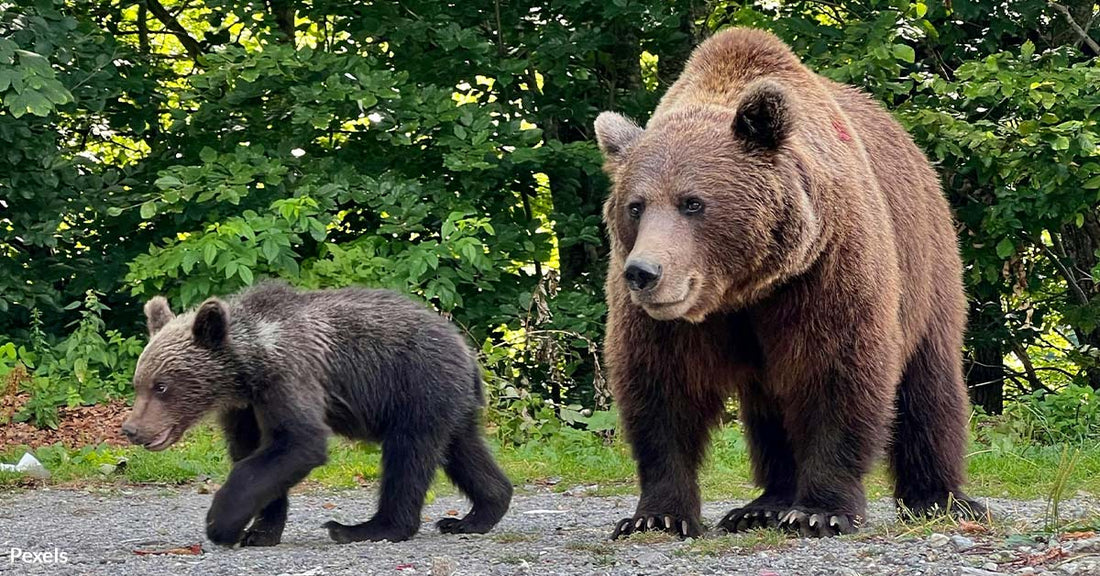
(692, 206)
(160, 388)
(635, 210)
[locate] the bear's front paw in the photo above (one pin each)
(957, 505)
(819, 523)
(224, 533)
(673, 524)
(225, 523)
(752, 517)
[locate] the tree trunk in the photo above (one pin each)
(984, 368)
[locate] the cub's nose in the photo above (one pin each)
(130, 431)
(641, 274)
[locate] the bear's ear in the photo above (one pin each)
(615, 133)
(157, 314)
(211, 327)
(763, 118)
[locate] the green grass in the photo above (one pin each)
(572, 458)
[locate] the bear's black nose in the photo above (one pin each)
(129, 430)
(641, 274)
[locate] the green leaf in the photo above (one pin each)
(1005, 248)
(1092, 183)
(1027, 49)
(148, 210)
(1060, 143)
(270, 249)
(905, 53)
(114, 211)
(209, 253)
(168, 182)
(246, 274)
(208, 155)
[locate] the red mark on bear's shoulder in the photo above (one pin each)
(842, 131)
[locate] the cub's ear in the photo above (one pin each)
(763, 117)
(157, 314)
(615, 133)
(211, 327)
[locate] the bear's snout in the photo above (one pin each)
(641, 273)
(130, 432)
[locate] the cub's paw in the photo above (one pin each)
(461, 526)
(369, 531)
(261, 537)
(224, 533)
(752, 517)
(227, 519)
(818, 523)
(677, 525)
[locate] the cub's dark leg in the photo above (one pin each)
(471, 467)
(243, 435)
(293, 445)
(772, 461)
(930, 434)
(409, 461)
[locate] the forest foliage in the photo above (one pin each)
(193, 147)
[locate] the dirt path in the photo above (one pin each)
(544, 533)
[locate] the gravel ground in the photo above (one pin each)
(545, 533)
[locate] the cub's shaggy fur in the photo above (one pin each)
(287, 368)
(779, 236)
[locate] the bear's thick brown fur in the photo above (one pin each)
(779, 236)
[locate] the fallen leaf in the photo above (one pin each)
(452, 512)
(192, 550)
(328, 505)
(971, 527)
(1078, 535)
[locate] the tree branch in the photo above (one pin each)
(1082, 298)
(193, 47)
(1077, 28)
(1029, 368)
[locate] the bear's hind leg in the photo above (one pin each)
(930, 435)
(409, 461)
(772, 460)
(243, 435)
(471, 467)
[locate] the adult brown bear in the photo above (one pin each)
(778, 235)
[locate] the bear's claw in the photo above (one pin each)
(818, 523)
(751, 517)
(682, 527)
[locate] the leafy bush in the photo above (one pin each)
(92, 365)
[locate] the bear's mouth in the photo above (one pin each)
(163, 440)
(672, 309)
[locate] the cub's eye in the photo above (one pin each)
(160, 388)
(692, 206)
(635, 210)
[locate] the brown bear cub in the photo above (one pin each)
(779, 236)
(285, 369)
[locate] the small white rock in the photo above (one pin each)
(938, 540)
(961, 543)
